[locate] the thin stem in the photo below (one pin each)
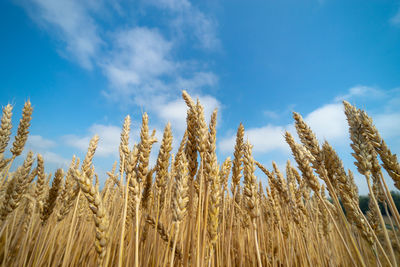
(256, 241)
(122, 237)
(388, 243)
(137, 234)
(174, 246)
(73, 220)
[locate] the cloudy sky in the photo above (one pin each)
(85, 65)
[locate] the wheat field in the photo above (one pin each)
(193, 209)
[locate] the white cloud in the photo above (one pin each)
(328, 122)
(174, 112)
(176, 5)
(204, 28)
(189, 19)
(197, 81)
(73, 25)
(54, 158)
(139, 56)
(37, 142)
(271, 114)
(265, 139)
(142, 70)
(140, 63)
(395, 20)
(108, 140)
(361, 91)
(388, 124)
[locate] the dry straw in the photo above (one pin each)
(179, 211)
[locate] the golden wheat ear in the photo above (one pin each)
(5, 128)
(23, 130)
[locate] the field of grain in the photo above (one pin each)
(193, 209)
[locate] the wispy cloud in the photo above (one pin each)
(108, 143)
(328, 123)
(265, 139)
(395, 20)
(271, 114)
(186, 18)
(388, 124)
(361, 91)
(109, 138)
(139, 62)
(138, 56)
(45, 146)
(37, 142)
(72, 24)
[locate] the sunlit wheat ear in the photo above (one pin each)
(23, 130)
(162, 165)
(29, 209)
(147, 194)
(289, 174)
(93, 197)
(16, 188)
(180, 198)
(212, 177)
(250, 193)
(224, 173)
(68, 179)
(192, 141)
(366, 156)
(52, 197)
(161, 230)
(133, 184)
(188, 99)
(281, 184)
(346, 189)
(238, 158)
(375, 165)
(100, 213)
(303, 163)
(211, 164)
(250, 182)
(367, 164)
(373, 217)
(202, 134)
(5, 128)
(112, 175)
(326, 226)
(310, 142)
(192, 131)
(87, 162)
(70, 191)
(175, 162)
(390, 162)
(3, 162)
(362, 149)
(144, 175)
(181, 191)
(40, 182)
(124, 143)
(144, 149)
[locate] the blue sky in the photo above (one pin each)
(85, 65)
